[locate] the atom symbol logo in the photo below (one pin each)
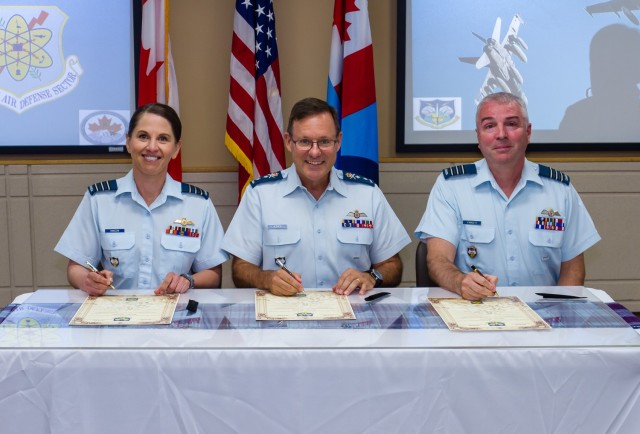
(22, 47)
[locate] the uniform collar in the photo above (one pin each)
(171, 188)
(292, 181)
(529, 173)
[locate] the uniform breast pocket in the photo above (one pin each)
(280, 242)
(119, 252)
(547, 246)
(180, 252)
(477, 234)
(546, 239)
(354, 246)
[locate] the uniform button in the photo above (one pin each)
(514, 283)
(320, 258)
(471, 236)
(180, 245)
(144, 282)
(549, 240)
(321, 283)
(509, 231)
(512, 258)
(146, 259)
(319, 231)
(148, 236)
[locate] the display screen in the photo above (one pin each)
(576, 64)
(66, 76)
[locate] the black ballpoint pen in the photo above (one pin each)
(376, 296)
(477, 270)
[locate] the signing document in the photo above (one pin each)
(492, 313)
(126, 310)
(307, 305)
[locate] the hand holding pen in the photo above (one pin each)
(102, 275)
(477, 270)
(281, 285)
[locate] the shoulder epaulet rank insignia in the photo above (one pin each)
(274, 176)
(192, 189)
(548, 172)
(110, 185)
(348, 176)
(462, 169)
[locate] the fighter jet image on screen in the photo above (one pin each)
(503, 74)
(625, 6)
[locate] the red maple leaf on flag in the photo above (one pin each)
(338, 15)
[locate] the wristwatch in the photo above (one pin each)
(377, 276)
(189, 277)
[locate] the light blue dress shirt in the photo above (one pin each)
(351, 226)
(522, 239)
(140, 244)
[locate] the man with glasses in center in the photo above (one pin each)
(311, 225)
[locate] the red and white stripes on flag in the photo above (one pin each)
(156, 76)
(254, 133)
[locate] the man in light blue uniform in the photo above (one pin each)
(145, 230)
(180, 232)
(330, 229)
(520, 223)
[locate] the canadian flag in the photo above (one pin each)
(156, 74)
(351, 88)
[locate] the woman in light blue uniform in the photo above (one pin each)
(145, 230)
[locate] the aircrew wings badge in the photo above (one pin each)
(357, 219)
(550, 220)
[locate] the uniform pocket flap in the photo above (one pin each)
(180, 243)
(118, 241)
(280, 237)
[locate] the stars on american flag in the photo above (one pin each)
(254, 133)
(265, 49)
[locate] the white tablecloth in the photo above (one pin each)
(281, 383)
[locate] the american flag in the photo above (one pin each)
(156, 74)
(254, 132)
(351, 88)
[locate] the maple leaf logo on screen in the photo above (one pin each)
(339, 14)
(105, 124)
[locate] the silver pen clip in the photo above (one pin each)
(280, 263)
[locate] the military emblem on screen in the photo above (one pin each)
(103, 127)
(436, 113)
(33, 70)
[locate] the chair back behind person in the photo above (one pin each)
(422, 272)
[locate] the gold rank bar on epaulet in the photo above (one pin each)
(556, 175)
(111, 185)
(192, 189)
(462, 169)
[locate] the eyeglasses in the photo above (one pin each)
(306, 144)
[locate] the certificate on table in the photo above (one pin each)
(307, 305)
(126, 310)
(492, 313)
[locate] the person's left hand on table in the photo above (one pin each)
(173, 283)
(352, 280)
